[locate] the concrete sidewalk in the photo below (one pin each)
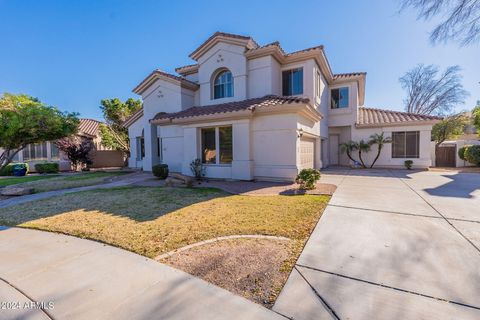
(391, 245)
(88, 280)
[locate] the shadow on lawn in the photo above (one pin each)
(136, 203)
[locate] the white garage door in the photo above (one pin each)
(307, 153)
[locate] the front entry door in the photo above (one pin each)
(333, 150)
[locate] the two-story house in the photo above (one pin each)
(256, 112)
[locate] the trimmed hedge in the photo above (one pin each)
(461, 152)
(472, 155)
(47, 167)
(8, 170)
(160, 171)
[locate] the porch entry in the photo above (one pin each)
(333, 148)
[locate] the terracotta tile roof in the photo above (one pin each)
(249, 104)
(348, 75)
(186, 68)
(305, 50)
(378, 117)
(224, 34)
(159, 73)
(89, 127)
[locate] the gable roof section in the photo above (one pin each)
(249, 105)
(159, 74)
(370, 117)
(133, 118)
(217, 37)
(89, 127)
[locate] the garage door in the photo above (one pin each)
(307, 153)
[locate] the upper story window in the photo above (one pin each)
(223, 85)
(318, 87)
(292, 82)
(339, 98)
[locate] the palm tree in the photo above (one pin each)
(348, 148)
(380, 141)
(363, 146)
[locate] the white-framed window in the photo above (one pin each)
(34, 152)
(406, 144)
(292, 82)
(140, 143)
(318, 86)
(217, 145)
(339, 98)
(223, 85)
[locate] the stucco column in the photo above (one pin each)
(242, 164)
(190, 143)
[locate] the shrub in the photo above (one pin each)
(408, 164)
(461, 152)
(307, 178)
(472, 155)
(47, 167)
(8, 170)
(198, 169)
(160, 171)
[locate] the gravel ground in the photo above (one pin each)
(255, 269)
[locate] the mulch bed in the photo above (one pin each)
(253, 268)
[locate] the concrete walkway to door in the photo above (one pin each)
(391, 245)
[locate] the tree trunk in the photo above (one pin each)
(378, 155)
(361, 160)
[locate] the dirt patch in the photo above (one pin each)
(253, 268)
(4, 197)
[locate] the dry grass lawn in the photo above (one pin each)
(151, 221)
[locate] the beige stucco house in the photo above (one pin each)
(253, 111)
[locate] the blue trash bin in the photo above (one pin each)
(19, 170)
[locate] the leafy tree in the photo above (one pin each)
(461, 18)
(25, 120)
(77, 150)
(348, 148)
(380, 141)
(429, 92)
(363, 146)
(449, 127)
(115, 112)
(476, 116)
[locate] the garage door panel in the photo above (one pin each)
(307, 153)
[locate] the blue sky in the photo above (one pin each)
(72, 54)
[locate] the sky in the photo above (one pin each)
(71, 54)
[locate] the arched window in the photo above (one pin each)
(223, 85)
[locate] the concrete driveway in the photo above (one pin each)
(391, 245)
(81, 279)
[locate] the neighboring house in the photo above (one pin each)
(256, 112)
(48, 151)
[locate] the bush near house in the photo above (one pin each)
(472, 155)
(307, 178)
(461, 152)
(160, 171)
(9, 168)
(47, 167)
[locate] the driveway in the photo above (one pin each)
(81, 279)
(391, 245)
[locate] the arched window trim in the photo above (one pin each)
(222, 86)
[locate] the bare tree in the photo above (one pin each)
(461, 19)
(431, 92)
